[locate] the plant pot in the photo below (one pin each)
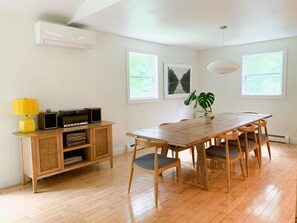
(209, 117)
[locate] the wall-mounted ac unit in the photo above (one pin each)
(65, 36)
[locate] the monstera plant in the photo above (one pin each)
(205, 100)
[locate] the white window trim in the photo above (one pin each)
(143, 99)
(284, 76)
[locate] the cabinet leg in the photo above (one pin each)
(23, 179)
(34, 184)
(111, 162)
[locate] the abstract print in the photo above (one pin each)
(179, 80)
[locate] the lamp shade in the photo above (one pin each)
(222, 66)
(25, 106)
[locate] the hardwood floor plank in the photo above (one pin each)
(99, 194)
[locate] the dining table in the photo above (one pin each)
(195, 132)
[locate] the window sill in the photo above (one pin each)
(142, 101)
(263, 97)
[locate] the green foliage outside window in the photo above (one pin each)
(262, 74)
(140, 87)
(142, 79)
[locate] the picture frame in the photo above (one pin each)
(177, 80)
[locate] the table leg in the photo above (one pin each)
(203, 165)
(164, 150)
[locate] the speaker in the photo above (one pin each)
(94, 114)
(48, 120)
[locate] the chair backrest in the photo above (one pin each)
(144, 143)
(262, 125)
(251, 129)
(149, 143)
(232, 136)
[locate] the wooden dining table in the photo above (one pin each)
(194, 132)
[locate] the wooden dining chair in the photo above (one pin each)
(153, 163)
(176, 149)
(262, 135)
(226, 154)
(249, 143)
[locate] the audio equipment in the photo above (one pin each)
(70, 118)
(94, 114)
(47, 120)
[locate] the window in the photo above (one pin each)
(142, 77)
(263, 74)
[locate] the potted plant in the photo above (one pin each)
(205, 100)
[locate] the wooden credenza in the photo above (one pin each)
(45, 153)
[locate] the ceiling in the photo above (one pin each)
(188, 23)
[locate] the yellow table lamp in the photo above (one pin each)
(26, 107)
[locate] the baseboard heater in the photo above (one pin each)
(130, 148)
(279, 138)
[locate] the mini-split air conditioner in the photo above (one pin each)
(64, 36)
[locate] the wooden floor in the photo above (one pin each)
(99, 194)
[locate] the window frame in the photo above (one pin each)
(154, 76)
(283, 76)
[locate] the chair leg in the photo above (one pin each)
(131, 176)
(213, 165)
(268, 147)
(260, 153)
(257, 151)
(242, 169)
(180, 178)
(197, 165)
(246, 154)
(177, 170)
(156, 188)
(193, 156)
(228, 176)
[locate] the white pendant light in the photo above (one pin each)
(222, 66)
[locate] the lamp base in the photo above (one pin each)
(27, 124)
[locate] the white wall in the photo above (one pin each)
(227, 88)
(64, 78)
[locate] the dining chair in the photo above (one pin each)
(262, 136)
(153, 163)
(249, 143)
(226, 154)
(176, 149)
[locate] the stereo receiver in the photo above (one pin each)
(70, 118)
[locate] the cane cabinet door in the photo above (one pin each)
(102, 139)
(48, 154)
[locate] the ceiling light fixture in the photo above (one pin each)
(222, 66)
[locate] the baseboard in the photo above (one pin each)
(293, 140)
(119, 151)
(126, 149)
(10, 181)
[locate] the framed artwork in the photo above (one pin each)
(177, 80)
